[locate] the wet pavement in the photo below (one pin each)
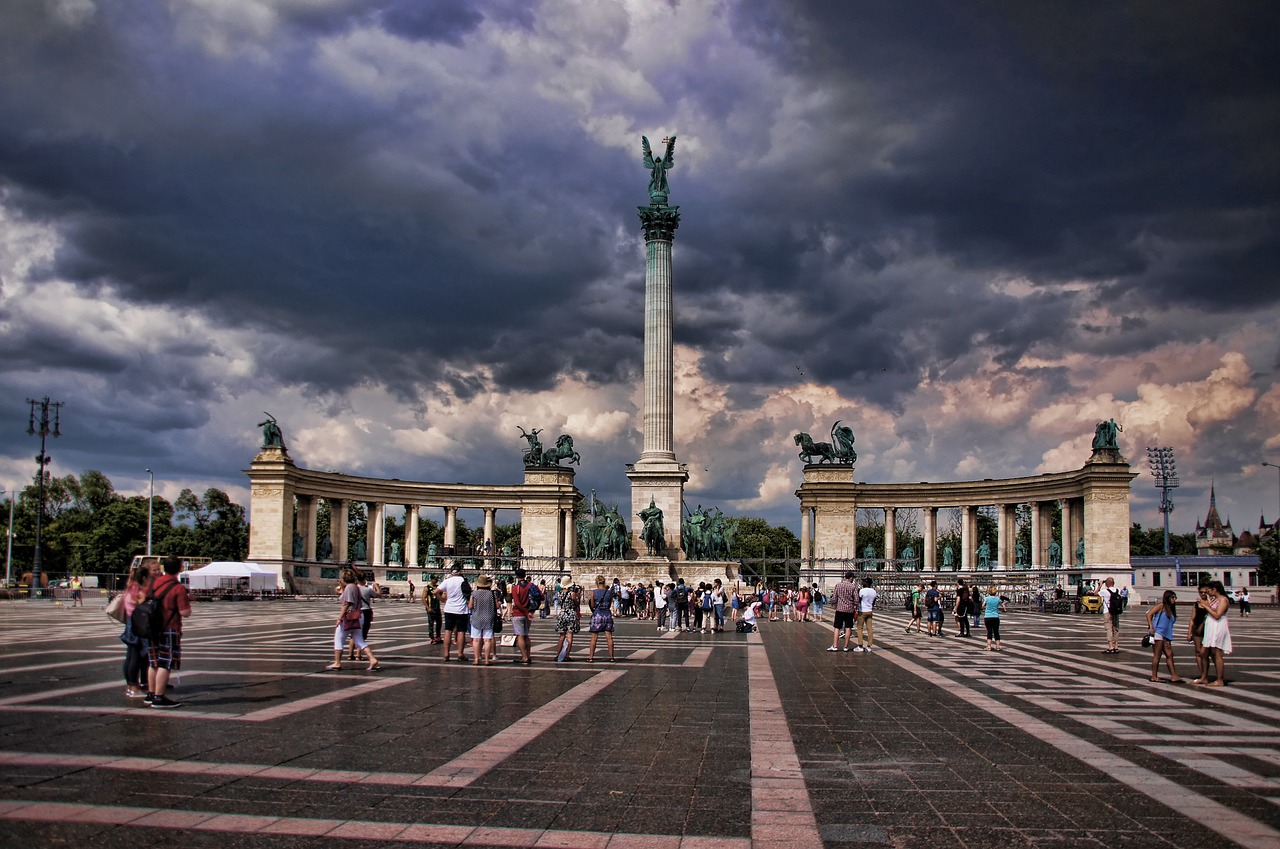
(688, 740)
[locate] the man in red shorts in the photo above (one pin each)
(165, 654)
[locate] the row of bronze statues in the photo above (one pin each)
(983, 552)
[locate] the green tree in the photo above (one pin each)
(1269, 571)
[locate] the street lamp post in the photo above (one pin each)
(40, 425)
(8, 555)
(151, 499)
(1277, 468)
(1165, 471)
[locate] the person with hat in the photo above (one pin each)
(454, 593)
(483, 605)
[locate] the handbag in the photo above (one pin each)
(507, 640)
(115, 608)
(352, 619)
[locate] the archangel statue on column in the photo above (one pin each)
(658, 191)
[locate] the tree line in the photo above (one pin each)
(88, 527)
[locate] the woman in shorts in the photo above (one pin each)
(349, 622)
(1160, 622)
(601, 617)
(992, 605)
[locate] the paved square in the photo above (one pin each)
(689, 740)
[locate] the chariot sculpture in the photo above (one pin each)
(838, 451)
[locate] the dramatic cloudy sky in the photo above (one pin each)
(969, 230)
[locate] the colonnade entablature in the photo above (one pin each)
(1094, 501)
(284, 500)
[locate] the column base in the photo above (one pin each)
(661, 481)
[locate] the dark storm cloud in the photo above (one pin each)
(380, 196)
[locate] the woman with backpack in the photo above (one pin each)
(1160, 622)
(135, 645)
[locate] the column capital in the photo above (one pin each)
(659, 222)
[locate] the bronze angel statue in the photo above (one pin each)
(658, 170)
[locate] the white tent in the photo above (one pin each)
(228, 575)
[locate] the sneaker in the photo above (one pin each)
(133, 694)
(833, 648)
(859, 648)
(149, 698)
(165, 703)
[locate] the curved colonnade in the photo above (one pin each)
(285, 498)
(1094, 501)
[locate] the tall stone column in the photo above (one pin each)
(890, 534)
(490, 523)
(451, 528)
(411, 524)
(1004, 533)
(570, 535)
(967, 550)
(805, 535)
(338, 527)
(657, 476)
(376, 539)
(930, 553)
(306, 525)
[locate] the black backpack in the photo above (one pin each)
(682, 594)
(909, 604)
(146, 619)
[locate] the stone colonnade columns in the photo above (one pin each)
(806, 531)
(570, 535)
(890, 533)
(376, 539)
(450, 527)
(338, 529)
(411, 534)
(1006, 532)
(1039, 554)
(967, 516)
(307, 525)
(929, 557)
(1069, 533)
(490, 523)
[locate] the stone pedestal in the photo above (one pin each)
(271, 497)
(549, 494)
(663, 482)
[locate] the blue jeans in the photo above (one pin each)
(719, 611)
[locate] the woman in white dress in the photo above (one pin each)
(1217, 631)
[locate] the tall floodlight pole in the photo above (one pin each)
(1277, 468)
(1165, 471)
(8, 555)
(151, 499)
(40, 425)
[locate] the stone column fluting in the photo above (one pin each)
(657, 477)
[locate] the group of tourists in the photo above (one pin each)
(804, 603)
(969, 606)
(1208, 630)
(153, 638)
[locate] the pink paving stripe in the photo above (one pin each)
(698, 658)
(290, 708)
(352, 829)
(781, 812)
(469, 766)
(1214, 816)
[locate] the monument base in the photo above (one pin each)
(662, 482)
(653, 570)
